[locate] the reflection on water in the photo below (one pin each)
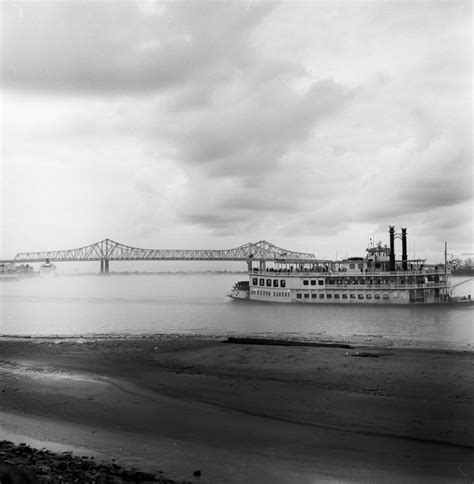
(197, 303)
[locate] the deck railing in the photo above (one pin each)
(297, 273)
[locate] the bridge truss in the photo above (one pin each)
(109, 250)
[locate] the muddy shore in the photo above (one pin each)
(243, 412)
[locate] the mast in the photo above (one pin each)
(446, 268)
(446, 260)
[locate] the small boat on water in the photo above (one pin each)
(377, 278)
(25, 270)
(8, 272)
(47, 269)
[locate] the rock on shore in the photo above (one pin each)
(26, 465)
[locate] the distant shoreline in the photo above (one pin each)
(189, 272)
(467, 272)
(147, 273)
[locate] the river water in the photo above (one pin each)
(196, 303)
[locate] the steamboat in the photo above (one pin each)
(377, 278)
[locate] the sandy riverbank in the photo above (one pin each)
(242, 412)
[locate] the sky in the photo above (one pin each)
(311, 125)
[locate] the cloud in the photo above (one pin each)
(112, 48)
(260, 121)
(246, 133)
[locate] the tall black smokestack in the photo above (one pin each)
(392, 247)
(404, 250)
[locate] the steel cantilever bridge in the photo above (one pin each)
(109, 250)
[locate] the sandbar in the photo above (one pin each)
(182, 404)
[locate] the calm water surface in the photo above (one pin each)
(197, 304)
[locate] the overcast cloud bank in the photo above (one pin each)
(207, 124)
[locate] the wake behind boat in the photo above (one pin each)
(376, 279)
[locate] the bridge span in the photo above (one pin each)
(108, 250)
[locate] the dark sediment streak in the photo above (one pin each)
(284, 342)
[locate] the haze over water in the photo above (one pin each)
(197, 304)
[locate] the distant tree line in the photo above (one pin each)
(462, 266)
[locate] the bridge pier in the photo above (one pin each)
(104, 266)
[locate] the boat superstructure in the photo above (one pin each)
(377, 278)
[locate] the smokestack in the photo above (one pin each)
(404, 250)
(392, 247)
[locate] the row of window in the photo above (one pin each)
(307, 295)
(268, 282)
(320, 282)
(269, 293)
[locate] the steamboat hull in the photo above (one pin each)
(323, 288)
